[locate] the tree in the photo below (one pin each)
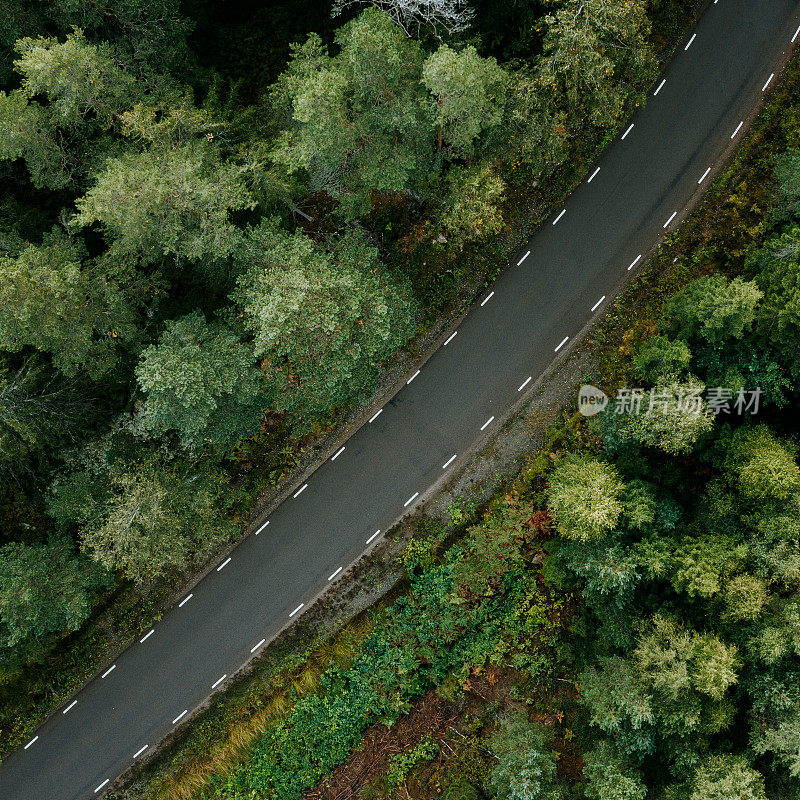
(526, 766)
(52, 303)
(609, 777)
(661, 359)
(787, 173)
(201, 381)
(442, 17)
(322, 322)
(175, 201)
(726, 777)
(762, 465)
(584, 497)
(468, 96)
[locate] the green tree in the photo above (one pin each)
(322, 322)
(201, 381)
(726, 777)
(763, 466)
(787, 173)
(661, 359)
(584, 497)
(609, 777)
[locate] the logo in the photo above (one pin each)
(591, 400)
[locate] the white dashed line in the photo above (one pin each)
(262, 527)
(630, 128)
(253, 649)
(525, 383)
(635, 262)
(109, 671)
(487, 423)
(187, 599)
(375, 415)
(689, 43)
(140, 751)
(796, 34)
(411, 499)
(450, 338)
(31, 742)
(769, 81)
(660, 87)
(218, 681)
(70, 706)
(705, 175)
(147, 636)
(300, 490)
(331, 577)
(597, 304)
(412, 377)
(449, 461)
(563, 342)
(523, 257)
(296, 610)
(373, 537)
(594, 175)
(338, 453)
(555, 221)
(107, 780)
(180, 716)
(223, 564)
(738, 128)
(487, 299)
(674, 214)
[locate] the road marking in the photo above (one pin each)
(411, 499)
(769, 81)
(180, 716)
(564, 211)
(300, 490)
(101, 785)
(527, 381)
(218, 681)
(705, 175)
(597, 304)
(31, 742)
(450, 338)
(253, 649)
(635, 261)
(487, 423)
(262, 527)
(296, 610)
(660, 87)
(738, 128)
(147, 636)
(449, 461)
(222, 565)
(487, 299)
(338, 453)
(796, 34)
(563, 342)
(689, 43)
(594, 175)
(523, 257)
(187, 598)
(674, 214)
(412, 377)
(630, 128)
(109, 670)
(373, 537)
(140, 751)
(375, 415)
(71, 705)
(331, 577)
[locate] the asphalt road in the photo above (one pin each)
(646, 176)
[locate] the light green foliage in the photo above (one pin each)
(763, 466)
(661, 359)
(321, 321)
(52, 303)
(703, 564)
(584, 497)
(468, 95)
(201, 381)
(713, 310)
(787, 173)
(404, 763)
(608, 777)
(723, 777)
(471, 209)
(745, 596)
(172, 202)
(639, 504)
(526, 766)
